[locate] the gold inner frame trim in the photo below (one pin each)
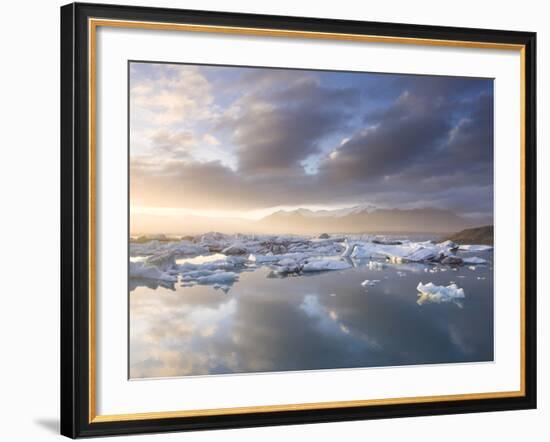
(93, 24)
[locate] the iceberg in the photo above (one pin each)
(216, 258)
(422, 253)
(235, 249)
(146, 271)
(474, 260)
(261, 259)
(438, 293)
(186, 249)
(162, 260)
(287, 265)
(452, 260)
(320, 265)
(221, 278)
(370, 282)
(475, 248)
(376, 265)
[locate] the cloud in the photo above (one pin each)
(277, 126)
(168, 94)
(173, 143)
(402, 134)
(257, 138)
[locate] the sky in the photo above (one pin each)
(244, 142)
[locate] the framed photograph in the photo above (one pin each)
(274, 220)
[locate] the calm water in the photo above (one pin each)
(326, 320)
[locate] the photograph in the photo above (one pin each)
(294, 219)
(273, 220)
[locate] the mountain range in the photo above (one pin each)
(357, 219)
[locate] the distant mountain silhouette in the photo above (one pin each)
(356, 219)
(303, 221)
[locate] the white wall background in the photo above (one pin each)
(29, 221)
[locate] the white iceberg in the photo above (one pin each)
(235, 249)
(474, 260)
(438, 293)
(349, 248)
(320, 265)
(376, 265)
(185, 248)
(263, 259)
(221, 278)
(475, 247)
(422, 253)
(162, 260)
(145, 271)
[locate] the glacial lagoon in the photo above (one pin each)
(196, 311)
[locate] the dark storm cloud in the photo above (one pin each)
(281, 124)
(420, 147)
(403, 133)
(445, 87)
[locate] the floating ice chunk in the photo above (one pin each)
(474, 260)
(452, 260)
(162, 260)
(218, 278)
(287, 265)
(195, 274)
(329, 249)
(235, 249)
(475, 247)
(188, 249)
(370, 282)
(213, 236)
(472, 267)
(410, 253)
(438, 293)
(421, 254)
(349, 249)
(261, 259)
(449, 245)
(146, 271)
(287, 262)
(386, 241)
(376, 265)
(319, 265)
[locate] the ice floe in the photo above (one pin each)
(143, 270)
(218, 278)
(474, 260)
(376, 265)
(320, 265)
(217, 259)
(437, 293)
(475, 247)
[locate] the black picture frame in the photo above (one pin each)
(75, 221)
